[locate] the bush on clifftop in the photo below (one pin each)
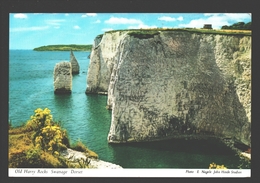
(238, 26)
(38, 143)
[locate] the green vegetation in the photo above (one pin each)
(143, 34)
(72, 47)
(149, 33)
(39, 142)
(238, 26)
(220, 32)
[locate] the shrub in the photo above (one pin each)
(38, 144)
(215, 166)
(48, 134)
(79, 146)
(32, 155)
(239, 26)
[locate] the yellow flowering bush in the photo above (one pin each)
(40, 119)
(215, 166)
(38, 144)
(49, 135)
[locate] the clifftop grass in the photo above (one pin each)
(148, 33)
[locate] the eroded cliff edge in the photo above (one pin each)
(173, 84)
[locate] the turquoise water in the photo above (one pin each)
(85, 117)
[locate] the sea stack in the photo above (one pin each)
(74, 63)
(62, 78)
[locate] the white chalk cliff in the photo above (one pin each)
(173, 83)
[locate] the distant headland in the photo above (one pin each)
(61, 47)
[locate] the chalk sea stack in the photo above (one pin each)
(173, 84)
(62, 78)
(74, 63)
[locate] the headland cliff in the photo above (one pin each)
(173, 84)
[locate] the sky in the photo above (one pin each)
(31, 30)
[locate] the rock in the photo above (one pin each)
(246, 155)
(99, 164)
(100, 67)
(102, 93)
(73, 156)
(62, 78)
(74, 63)
(173, 84)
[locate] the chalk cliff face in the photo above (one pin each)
(62, 78)
(74, 63)
(174, 84)
(102, 60)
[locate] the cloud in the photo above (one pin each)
(107, 29)
(133, 23)
(198, 23)
(142, 26)
(115, 20)
(20, 29)
(20, 15)
(217, 20)
(54, 22)
(237, 16)
(76, 27)
(89, 15)
(170, 19)
(180, 18)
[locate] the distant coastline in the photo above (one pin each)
(73, 47)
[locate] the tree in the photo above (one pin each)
(224, 27)
(238, 26)
(247, 26)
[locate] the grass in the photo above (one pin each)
(148, 33)
(24, 154)
(79, 146)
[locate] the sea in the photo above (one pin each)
(86, 118)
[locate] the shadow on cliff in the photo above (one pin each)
(236, 123)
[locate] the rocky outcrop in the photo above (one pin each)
(62, 78)
(75, 156)
(171, 84)
(74, 63)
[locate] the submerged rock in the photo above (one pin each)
(62, 78)
(74, 63)
(173, 84)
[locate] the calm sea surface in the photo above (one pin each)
(86, 118)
